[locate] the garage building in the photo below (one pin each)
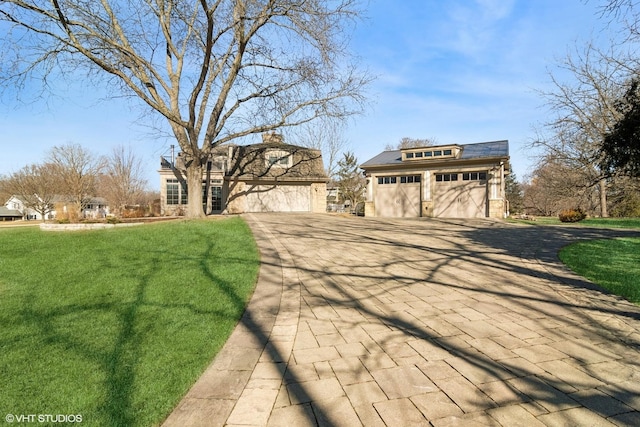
(268, 177)
(444, 181)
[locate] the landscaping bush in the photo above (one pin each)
(572, 215)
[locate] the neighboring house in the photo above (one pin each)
(268, 177)
(447, 181)
(17, 203)
(95, 208)
(7, 214)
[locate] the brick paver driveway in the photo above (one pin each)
(423, 322)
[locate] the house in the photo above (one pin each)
(19, 204)
(7, 214)
(444, 181)
(94, 207)
(266, 177)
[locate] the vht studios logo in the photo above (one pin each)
(42, 418)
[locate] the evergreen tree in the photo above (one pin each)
(351, 182)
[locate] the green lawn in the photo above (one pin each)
(613, 264)
(588, 222)
(116, 325)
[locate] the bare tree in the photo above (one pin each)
(215, 70)
(122, 182)
(77, 172)
(555, 185)
(406, 142)
(326, 135)
(5, 191)
(584, 110)
(36, 186)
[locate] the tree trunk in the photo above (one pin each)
(194, 188)
(604, 213)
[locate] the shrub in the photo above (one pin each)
(572, 215)
(112, 220)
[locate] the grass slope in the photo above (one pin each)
(116, 324)
(614, 264)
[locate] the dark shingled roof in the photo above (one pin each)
(494, 149)
(6, 212)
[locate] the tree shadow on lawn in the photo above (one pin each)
(479, 284)
(113, 368)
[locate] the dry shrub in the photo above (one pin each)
(572, 215)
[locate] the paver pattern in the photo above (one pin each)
(421, 322)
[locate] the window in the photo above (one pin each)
(430, 154)
(184, 194)
(446, 177)
(474, 176)
(387, 180)
(411, 179)
(216, 198)
(173, 195)
(279, 159)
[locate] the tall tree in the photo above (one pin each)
(325, 135)
(621, 146)
(351, 182)
(77, 171)
(122, 182)
(214, 70)
(514, 193)
(584, 112)
(36, 186)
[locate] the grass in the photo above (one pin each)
(117, 324)
(588, 222)
(613, 264)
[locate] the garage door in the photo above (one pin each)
(398, 196)
(460, 195)
(280, 198)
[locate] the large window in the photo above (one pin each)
(216, 198)
(176, 192)
(173, 194)
(184, 194)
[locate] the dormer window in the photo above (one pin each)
(427, 153)
(279, 159)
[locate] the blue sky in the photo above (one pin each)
(458, 71)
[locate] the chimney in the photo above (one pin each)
(272, 138)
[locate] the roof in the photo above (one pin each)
(493, 149)
(6, 212)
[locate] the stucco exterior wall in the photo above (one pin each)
(318, 197)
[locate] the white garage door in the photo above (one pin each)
(398, 196)
(460, 195)
(280, 198)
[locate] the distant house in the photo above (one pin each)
(268, 177)
(7, 214)
(94, 208)
(18, 203)
(447, 181)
